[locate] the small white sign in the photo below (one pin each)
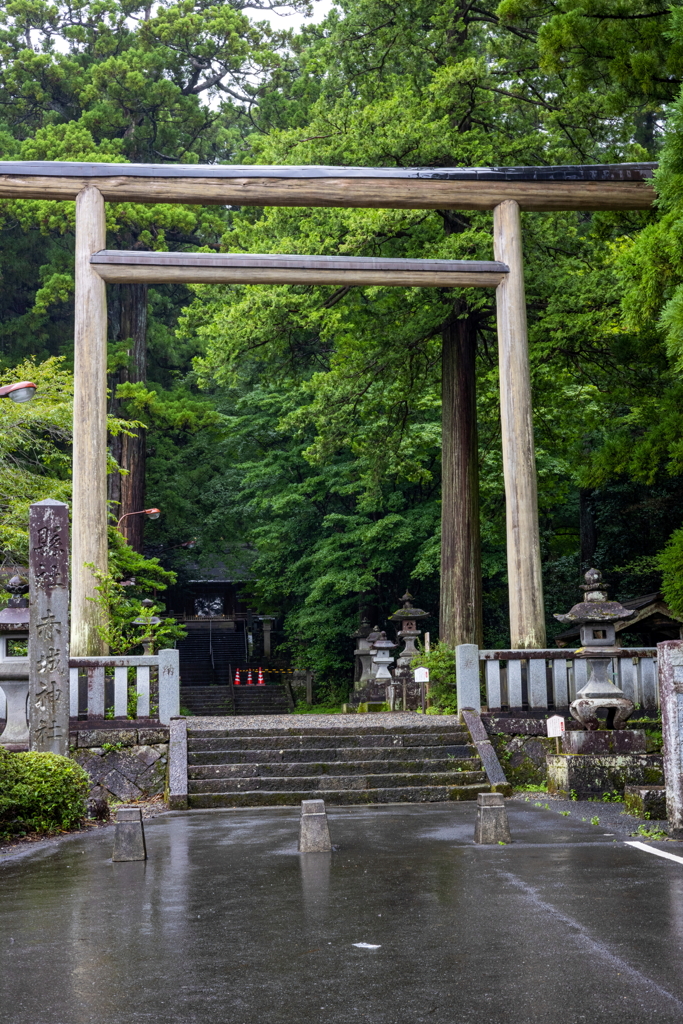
(555, 725)
(421, 675)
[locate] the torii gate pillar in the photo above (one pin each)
(525, 583)
(89, 508)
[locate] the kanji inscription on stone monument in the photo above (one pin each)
(48, 526)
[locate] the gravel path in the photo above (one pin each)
(611, 816)
(397, 721)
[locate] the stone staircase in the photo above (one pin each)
(261, 700)
(217, 701)
(207, 700)
(349, 763)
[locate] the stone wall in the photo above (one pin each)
(129, 764)
(526, 754)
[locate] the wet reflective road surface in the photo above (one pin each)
(227, 923)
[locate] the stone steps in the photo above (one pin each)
(207, 700)
(344, 764)
(400, 780)
(261, 700)
(229, 743)
(338, 797)
(268, 762)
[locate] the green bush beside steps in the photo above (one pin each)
(40, 793)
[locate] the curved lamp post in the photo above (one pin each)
(23, 391)
(151, 513)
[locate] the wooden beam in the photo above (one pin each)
(525, 582)
(120, 267)
(594, 187)
(89, 508)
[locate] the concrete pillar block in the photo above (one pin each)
(129, 835)
(314, 832)
(670, 658)
(467, 677)
(492, 820)
(177, 765)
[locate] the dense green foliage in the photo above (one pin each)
(120, 592)
(40, 793)
(293, 433)
(440, 661)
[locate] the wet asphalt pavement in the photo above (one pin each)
(227, 923)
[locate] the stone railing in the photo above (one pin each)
(538, 679)
(164, 666)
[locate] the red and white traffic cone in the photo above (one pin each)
(250, 681)
(261, 680)
(238, 681)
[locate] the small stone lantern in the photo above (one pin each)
(409, 618)
(383, 659)
(147, 620)
(596, 616)
(14, 621)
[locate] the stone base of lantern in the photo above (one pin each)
(585, 710)
(375, 692)
(585, 776)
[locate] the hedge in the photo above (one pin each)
(40, 793)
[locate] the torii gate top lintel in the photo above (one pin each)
(564, 187)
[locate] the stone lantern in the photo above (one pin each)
(14, 621)
(596, 616)
(365, 637)
(383, 659)
(408, 616)
(147, 620)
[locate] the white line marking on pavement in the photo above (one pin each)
(657, 853)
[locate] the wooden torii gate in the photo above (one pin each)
(506, 191)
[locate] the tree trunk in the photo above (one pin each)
(460, 618)
(587, 529)
(128, 489)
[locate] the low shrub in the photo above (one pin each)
(441, 664)
(40, 793)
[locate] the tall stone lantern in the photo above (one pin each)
(14, 622)
(363, 654)
(408, 616)
(596, 616)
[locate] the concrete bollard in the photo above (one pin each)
(314, 833)
(492, 820)
(129, 835)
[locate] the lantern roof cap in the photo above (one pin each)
(596, 607)
(408, 612)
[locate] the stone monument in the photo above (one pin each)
(49, 626)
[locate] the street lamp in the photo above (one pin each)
(23, 391)
(151, 513)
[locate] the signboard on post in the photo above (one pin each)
(48, 527)
(422, 677)
(555, 725)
